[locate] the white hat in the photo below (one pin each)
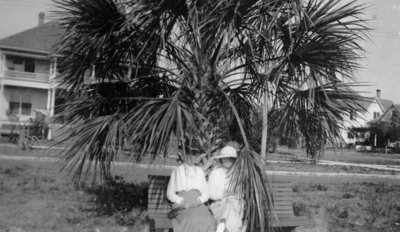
(227, 152)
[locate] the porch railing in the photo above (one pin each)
(27, 76)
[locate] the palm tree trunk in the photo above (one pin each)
(265, 125)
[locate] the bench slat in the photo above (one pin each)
(275, 193)
(284, 221)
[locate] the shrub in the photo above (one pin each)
(303, 187)
(319, 187)
(347, 195)
(300, 208)
(343, 214)
(13, 171)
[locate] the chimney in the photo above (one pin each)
(41, 18)
(378, 93)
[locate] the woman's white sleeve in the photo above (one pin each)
(216, 184)
(203, 186)
(171, 190)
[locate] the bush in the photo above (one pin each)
(301, 187)
(319, 187)
(13, 171)
(347, 195)
(300, 209)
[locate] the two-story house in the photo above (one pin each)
(28, 67)
(357, 126)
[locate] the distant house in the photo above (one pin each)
(28, 67)
(371, 109)
(393, 110)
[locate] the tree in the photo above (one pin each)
(394, 126)
(194, 70)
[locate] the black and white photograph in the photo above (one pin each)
(199, 115)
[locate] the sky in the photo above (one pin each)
(380, 67)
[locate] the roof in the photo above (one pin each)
(388, 111)
(386, 104)
(365, 103)
(42, 38)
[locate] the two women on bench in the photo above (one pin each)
(189, 190)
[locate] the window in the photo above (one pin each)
(17, 60)
(376, 115)
(14, 108)
(26, 108)
(395, 114)
(29, 65)
(21, 64)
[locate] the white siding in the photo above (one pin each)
(37, 97)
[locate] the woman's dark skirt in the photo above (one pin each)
(195, 219)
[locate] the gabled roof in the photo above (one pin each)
(389, 110)
(42, 38)
(386, 104)
(365, 103)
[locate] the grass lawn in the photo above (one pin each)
(306, 167)
(36, 197)
(362, 207)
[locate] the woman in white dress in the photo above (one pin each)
(187, 190)
(227, 207)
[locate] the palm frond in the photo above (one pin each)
(91, 151)
(322, 115)
(251, 183)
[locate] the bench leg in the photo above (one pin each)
(163, 230)
(152, 228)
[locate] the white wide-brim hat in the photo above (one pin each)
(227, 152)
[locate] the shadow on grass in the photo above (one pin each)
(26, 189)
(126, 202)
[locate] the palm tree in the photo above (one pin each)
(194, 70)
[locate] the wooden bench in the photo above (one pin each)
(158, 205)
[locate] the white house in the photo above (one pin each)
(28, 67)
(371, 109)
